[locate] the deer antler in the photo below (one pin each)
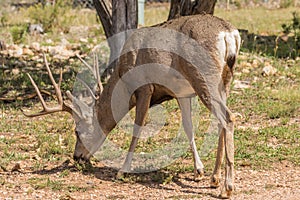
(62, 105)
(95, 71)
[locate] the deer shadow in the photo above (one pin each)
(157, 179)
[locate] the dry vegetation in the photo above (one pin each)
(36, 154)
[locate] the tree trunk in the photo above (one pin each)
(189, 7)
(204, 7)
(116, 16)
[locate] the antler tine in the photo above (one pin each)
(45, 108)
(85, 63)
(87, 87)
(96, 66)
(55, 85)
(60, 78)
(94, 69)
(48, 110)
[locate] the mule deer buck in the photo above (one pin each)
(181, 58)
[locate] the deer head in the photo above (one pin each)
(88, 133)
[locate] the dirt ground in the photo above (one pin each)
(280, 182)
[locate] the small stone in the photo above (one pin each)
(241, 84)
(246, 71)
(64, 42)
(36, 29)
(28, 52)
(255, 63)
(83, 40)
(15, 51)
(35, 46)
(268, 70)
(246, 64)
(49, 41)
(15, 71)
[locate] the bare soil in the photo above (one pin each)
(21, 182)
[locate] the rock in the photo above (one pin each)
(246, 71)
(83, 40)
(49, 41)
(35, 46)
(268, 70)
(291, 62)
(55, 50)
(61, 53)
(28, 52)
(44, 49)
(237, 84)
(246, 65)
(36, 29)
(255, 63)
(64, 42)
(15, 71)
(15, 51)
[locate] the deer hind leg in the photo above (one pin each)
(226, 145)
(217, 105)
(185, 106)
(142, 106)
(229, 155)
(216, 176)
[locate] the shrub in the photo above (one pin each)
(49, 15)
(286, 3)
(294, 28)
(18, 33)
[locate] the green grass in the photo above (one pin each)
(268, 145)
(258, 20)
(267, 131)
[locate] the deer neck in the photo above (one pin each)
(110, 107)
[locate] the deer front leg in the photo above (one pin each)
(142, 107)
(185, 106)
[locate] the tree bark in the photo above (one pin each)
(204, 7)
(116, 16)
(104, 11)
(189, 7)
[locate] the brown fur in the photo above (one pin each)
(205, 30)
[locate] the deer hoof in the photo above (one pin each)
(198, 173)
(214, 182)
(225, 195)
(226, 191)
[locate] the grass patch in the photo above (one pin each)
(267, 131)
(42, 183)
(267, 145)
(258, 19)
